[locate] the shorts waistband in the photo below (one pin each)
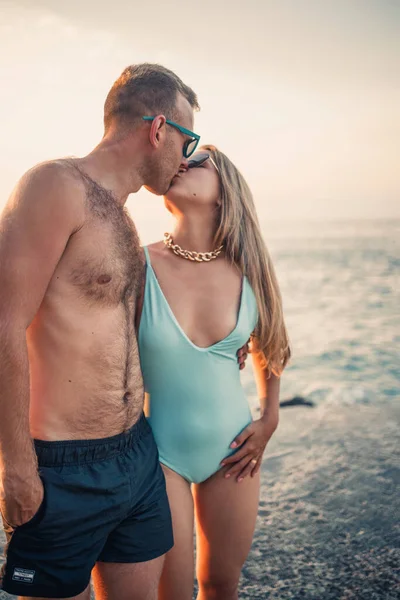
(77, 452)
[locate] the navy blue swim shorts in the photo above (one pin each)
(104, 500)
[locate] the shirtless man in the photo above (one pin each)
(80, 482)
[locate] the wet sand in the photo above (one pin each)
(328, 525)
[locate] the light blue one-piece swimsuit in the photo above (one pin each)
(196, 403)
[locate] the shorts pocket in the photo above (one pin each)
(33, 521)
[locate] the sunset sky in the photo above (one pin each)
(303, 95)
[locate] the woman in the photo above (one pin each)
(198, 310)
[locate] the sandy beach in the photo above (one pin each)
(328, 525)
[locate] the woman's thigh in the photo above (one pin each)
(178, 573)
(226, 513)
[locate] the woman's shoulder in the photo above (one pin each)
(152, 250)
(158, 255)
(155, 247)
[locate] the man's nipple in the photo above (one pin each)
(104, 279)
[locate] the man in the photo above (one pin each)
(71, 269)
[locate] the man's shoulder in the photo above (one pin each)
(52, 188)
(59, 171)
(53, 181)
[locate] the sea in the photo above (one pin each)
(341, 293)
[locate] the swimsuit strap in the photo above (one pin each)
(147, 255)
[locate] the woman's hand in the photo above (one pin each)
(252, 442)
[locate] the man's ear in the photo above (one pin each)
(157, 130)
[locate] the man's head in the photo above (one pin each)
(149, 90)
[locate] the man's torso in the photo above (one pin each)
(85, 374)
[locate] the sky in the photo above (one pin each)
(303, 95)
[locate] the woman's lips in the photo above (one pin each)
(178, 175)
(175, 177)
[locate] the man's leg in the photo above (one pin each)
(178, 574)
(226, 514)
(124, 581)
(130, 563)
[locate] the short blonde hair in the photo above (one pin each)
(145, 90)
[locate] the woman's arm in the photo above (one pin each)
(254, 438)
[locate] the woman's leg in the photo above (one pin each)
(226, 514)
(178, 574)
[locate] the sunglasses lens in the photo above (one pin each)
(198, 160)
(190, 147)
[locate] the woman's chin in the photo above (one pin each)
(173, 189)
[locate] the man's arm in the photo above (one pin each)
(35, 227)
(267, 387)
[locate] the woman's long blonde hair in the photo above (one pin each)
(239, 231)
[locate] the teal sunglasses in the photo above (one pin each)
(191, 144)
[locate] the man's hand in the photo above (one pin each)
(242, 355)
(251, 443)
(20, 498)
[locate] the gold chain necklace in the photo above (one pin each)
(188, 254)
